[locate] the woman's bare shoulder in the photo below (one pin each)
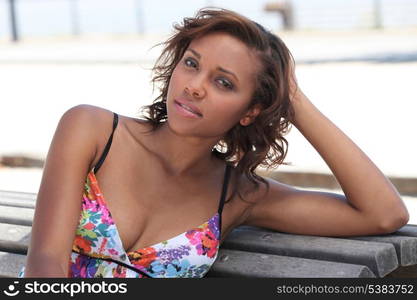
(90, 113)
(90, 122)
(100, 119)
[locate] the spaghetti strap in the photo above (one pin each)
(223, 195)
(107, 148)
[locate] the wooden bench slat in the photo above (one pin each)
(381, 258)
(16, 221)
(407, 230)
(16, 215)
(236, 263)
(20, 196)
(15, 233)
(16, 199)
(405, 246)
(15, 203)
(11, 264)
(13, 247)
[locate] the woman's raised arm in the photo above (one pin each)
(370, 204)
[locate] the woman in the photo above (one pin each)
(228, 94)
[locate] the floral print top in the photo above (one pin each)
(97, 249)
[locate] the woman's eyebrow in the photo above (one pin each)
(194, 52)
(218, 68)
(228, 72)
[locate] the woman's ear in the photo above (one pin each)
(250, 115)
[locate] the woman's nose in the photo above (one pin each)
(196, 88)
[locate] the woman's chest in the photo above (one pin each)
(148, 204)
(149, 211)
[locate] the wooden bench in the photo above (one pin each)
(250, 251)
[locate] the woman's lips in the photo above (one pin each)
(188, 105)
(186, 110)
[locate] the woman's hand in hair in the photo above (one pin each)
(295, 92)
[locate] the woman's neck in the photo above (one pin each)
(183, 155)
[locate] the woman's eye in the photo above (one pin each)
(190, 63)
(227, 84)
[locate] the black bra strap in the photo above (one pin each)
(109, 141)
(224, 188)
(224, 194)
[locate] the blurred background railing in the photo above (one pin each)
(28, 18)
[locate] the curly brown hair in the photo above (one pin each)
(261, 143)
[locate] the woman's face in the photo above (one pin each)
(215, 79)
